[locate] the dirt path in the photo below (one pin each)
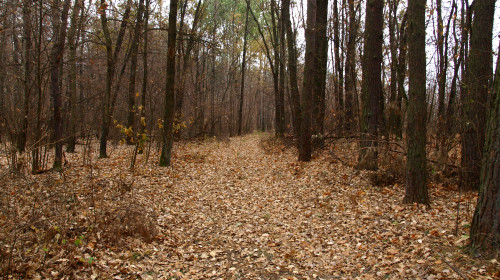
(235, 210)
(232, 210)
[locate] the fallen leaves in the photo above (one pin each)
(245, 208)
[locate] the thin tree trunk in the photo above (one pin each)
(145, 75)
(338, 79)
(392, 121)
(27, 83)
(307, 94)
(350, 71)
(292, 67)
(73, 38)
(133, 73)
(168, 118)
(60, 22)
(401, 76)
(243, 64)
(111, 58)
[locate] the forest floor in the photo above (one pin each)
(242, 208)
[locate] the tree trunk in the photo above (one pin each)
(59, 22)
(338, 79)
(134, 49)
(73, 38)
(278, 92)
(27, 83)
(401, 76)
(145, 70)
(372, 96)
(307, 94)
(392, 121)
(168, 118)
(243, 64)
(485, 227)
(111, 58)
(292, 67)
(416, 170)
(179, 97)
(321, 60)
(350, 70)
(478, 77)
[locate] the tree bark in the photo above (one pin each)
(168, 118)
(372, 96)
(416, 170)
(478, 76)
(392, 121)
(321, 60)
(134, 49)
(292, 67)
(59, 22)
(338, 80)
(307, 94)
(243, 65)
(401, 76)
(350, 70)
(145, 75)
(485, 227)
(27, 80)
(73, 37)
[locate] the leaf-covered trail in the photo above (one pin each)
(232, 210)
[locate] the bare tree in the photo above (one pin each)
(59, 21)
(416, 171)
(168, 118)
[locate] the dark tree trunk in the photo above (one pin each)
(393, 120)
(27, 80)
(478, 77)
(307, 94)
(338, 80)
(168, 118)
(485, 227)
(59, 22)
(401, 76)
(416, 171)
(321, 60)
(279, 93)
(73, 38)
(243, 64)
(292, 67)
(350, 71)
(38, 133)
(134, 49)
(371, 92)
(145, 70)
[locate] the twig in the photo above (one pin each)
(454, 268)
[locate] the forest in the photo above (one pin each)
(249, 139)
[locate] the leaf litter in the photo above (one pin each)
(242, 208)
